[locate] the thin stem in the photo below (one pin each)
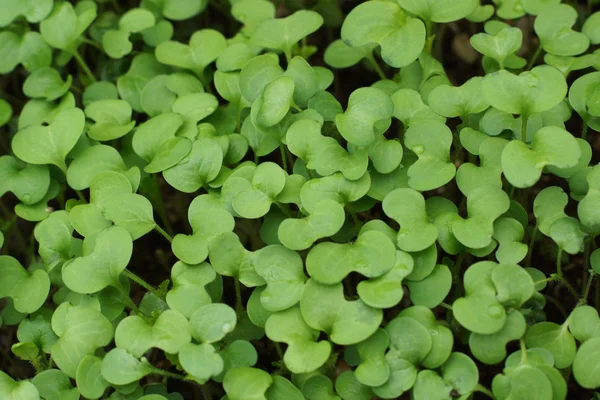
(586, 292)
(160, 230)
(552, 278)
(523, 351)
(484, 390)
(524, 119)
(531, 244)
(81, 196)
(128, 301)
(91, 43)
(559, 263)
(84, 66)
(141, 282)
(534, 58)
(239, 307)
(168, 374)
(560, 276)
(558, 306)
(279, 351)
(283, 157)
(446, 306)
(584, 130)
(376, 67)
(206, 392)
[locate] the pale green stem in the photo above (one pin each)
(84, 66)
(163, 232)
(535, 56)
(239, 307)
(524, 119)
(376, 67)
(523, 351)
(586, 292)
(283, 157)
(141, 282)
(484, 390)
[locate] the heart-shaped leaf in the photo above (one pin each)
(27, 290)
(105, 257)
(304, 353)
(38, 144)
(401, 37)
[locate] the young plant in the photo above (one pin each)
(275, 200)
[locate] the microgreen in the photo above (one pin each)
(299, 200)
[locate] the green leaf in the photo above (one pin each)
(304, 353)
(282, 33)
(246, 383)
(371, 255)
(168, 332)
(491, 349)
(407, 207)
(38, 144)
(528, 93)
(201, 361)
(53, 384)
(450, 101)
(107, 256)
(204, 47)
(65, 25)
(554, 25)
(340, 55)
(189, 290)
(46, 83)
(121, 368)
(96, 159)
(28, 182)
(350, 388)
(211, 322)
(555, 338)
(431, 142)
(206, 224)
(346, 322)
(431, 291)
(300, 234)
(590, 28)
(322, 153)
(548, 207)
(367, 116)
(584, 323)
(283, 271)
(386, 291)
(112, 117)
(229, 258)
(567, 233)
(551, 146)
(401, 37)
(373, 369)
(484, 205)
(27, 290)
(439, 10)
(84, 330)
(90, 382)
(22, 390)
(587, 207)
(499, 46)
(252, 13)
(585, 365)
(509, 233)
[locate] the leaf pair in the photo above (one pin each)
(116, 41)
(112, 201)
(490, 288)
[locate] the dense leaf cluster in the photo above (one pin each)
(406, 240)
